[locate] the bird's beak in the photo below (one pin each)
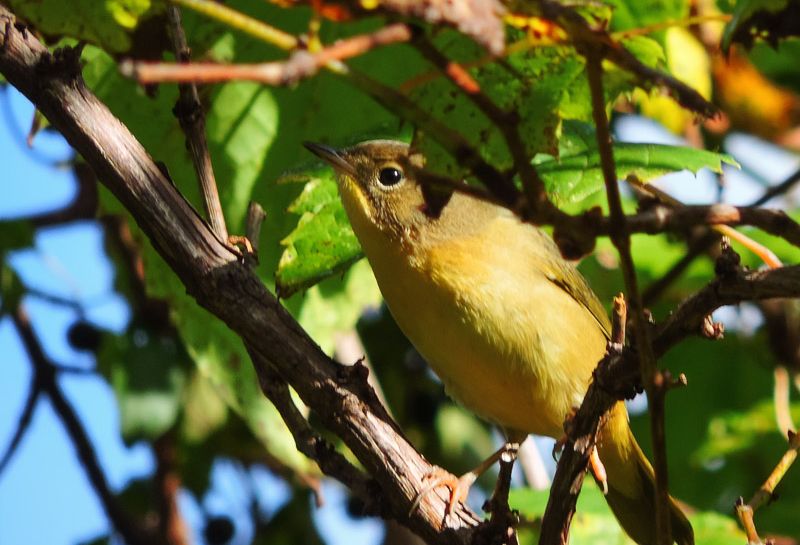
(330, 155)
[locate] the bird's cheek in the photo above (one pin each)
(356, 204)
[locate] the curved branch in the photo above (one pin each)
(47, 383)
(688, 318)
(23, 423)
(227, 287)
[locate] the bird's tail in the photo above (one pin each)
(631, 484)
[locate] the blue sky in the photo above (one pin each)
(44, 481)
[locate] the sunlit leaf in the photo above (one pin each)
(687, 59)
(574, 177)
(323, 243)
(108, 24)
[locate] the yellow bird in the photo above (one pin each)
(511, 328)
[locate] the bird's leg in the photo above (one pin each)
(503, 520)
(459, 486)
(499, 500)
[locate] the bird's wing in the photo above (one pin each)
(569, 279)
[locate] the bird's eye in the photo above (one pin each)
(389, 176)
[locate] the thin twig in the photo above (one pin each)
(255, 218)
(662, 218)
(130, 530)
(502, 521)
(765, 493)
(235, 19)
(780, 398)
(192, 119)
(25, 418)
(168, 484)
(766, 255)
(505, 122)
(732, 289)
(706, 241)
(620, 237)
(300, 65)
(672, 23)
(532, 464)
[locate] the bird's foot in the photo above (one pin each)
(458, 486)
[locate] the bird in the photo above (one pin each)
(512, 329)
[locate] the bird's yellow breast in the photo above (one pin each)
(509, 344)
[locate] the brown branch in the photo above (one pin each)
(46, 379)
(664, 218)
(309, 442)
(582, 432)
(653, 379)
(505, 122)
(300, 65)
(597, 39)
(192, 120)
(225, 286)
(705, 242)
(730, 289)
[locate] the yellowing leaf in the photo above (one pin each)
(688, 61)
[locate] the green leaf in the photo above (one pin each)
(736, 431)
(630, 14)
(108, 24)
(574, 177)
(594, 523)
(148, 372)
(242, 124)
(335, 305)
(242, 121)
(15, 235)
(323, 243)
(543, 84)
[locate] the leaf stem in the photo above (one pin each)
(240, 21)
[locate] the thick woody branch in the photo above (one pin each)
(225, 286)
(307, 441)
